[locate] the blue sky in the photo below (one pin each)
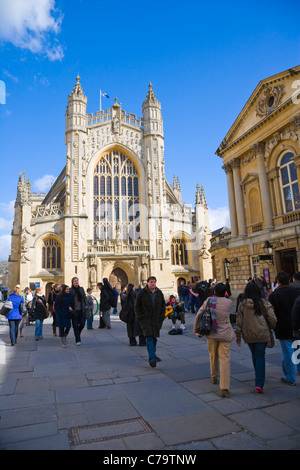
(203, 58)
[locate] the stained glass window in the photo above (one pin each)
(179, 252)
(116, 193)
(51, 254)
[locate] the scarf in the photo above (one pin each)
(212, 304)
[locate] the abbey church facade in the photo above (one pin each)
(111, 212)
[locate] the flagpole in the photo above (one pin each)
(100, 100)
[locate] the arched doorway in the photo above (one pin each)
(118, 279)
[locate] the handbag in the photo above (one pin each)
(6, 307)
(47, 313)
(203, 322)
(22, 309)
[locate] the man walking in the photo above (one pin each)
(283, 299)
(150, 312)
(105, 302)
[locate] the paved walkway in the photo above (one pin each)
(104, 395)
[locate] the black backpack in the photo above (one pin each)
(113, 298)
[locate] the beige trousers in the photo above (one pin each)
(219, 353)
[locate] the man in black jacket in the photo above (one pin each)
(105, 301)
(150, 310)
(283, 299)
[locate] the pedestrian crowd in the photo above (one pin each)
(259, 312)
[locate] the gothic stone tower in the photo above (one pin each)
(111, 212)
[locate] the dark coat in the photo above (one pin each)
(63, 314)
(296, 315)
(38, 308)
(104, 300)
(83, 298)
(283, 299)
(150, 317)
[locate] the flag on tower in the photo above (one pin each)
(105, 95)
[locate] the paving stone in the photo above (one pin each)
(227, 406)
(108, 410)
(162, 399)
(58, 442)
(192, 372)
(286, 413)
(187, 428)
(22, 433)
(261, 425)
(29, 385)
(239, 441)
(285, 443)
(149, 441)
(27, 400)
(26, 416)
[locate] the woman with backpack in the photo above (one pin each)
(254, 317)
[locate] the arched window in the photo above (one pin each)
(289, 183)
(179, 252)
(51, 254)
(116, 198)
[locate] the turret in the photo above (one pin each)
(76, 109)
(153, 122)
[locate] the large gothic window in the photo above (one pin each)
(179, 252)
(116, 198)
(51, 254)
(289, 183)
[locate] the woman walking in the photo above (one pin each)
(79, 309)
(63, 307)
(40, 312)
(255, 316)
(15, 315)
(220, 338)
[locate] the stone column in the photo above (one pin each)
(275, 191)
(259, 149)
(231, 200)
(239, 199)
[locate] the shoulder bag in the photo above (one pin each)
(203, 323)
(6, 307)
(47, 313)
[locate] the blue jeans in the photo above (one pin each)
(38, 328)
(89, 322)
(13, 330)
(258, 358)
(287, 364)
(151, 347)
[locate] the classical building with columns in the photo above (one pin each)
(111, 212)
(261, 158)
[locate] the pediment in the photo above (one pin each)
(269, 96)
(250, 176)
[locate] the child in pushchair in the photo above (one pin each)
(174, 312)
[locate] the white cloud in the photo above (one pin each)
(218, 218)
(5, 224)
(5, 247)
(44, 183)
(31, 24)
(8, 208)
